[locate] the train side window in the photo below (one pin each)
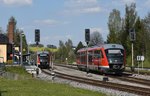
(82, 56)
(90, 56)
(97, 54)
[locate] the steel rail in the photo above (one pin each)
(121, 87)
(124, 78)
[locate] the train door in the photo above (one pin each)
(96, 58)
(83, 58)
(90, 56)
(78, 58)
(38, 59)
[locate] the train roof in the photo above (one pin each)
(105, 46)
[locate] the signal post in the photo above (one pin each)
(132, 39)
(87, 39)
(37, 40)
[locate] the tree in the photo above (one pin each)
(35, 45)
(129, 23)
(114, 25)
(146, 22)
(61, 54)
(96, 39)
(51, 46)
(70, 51)
(17, 40)
(65, 51)
(69, 45)
(79, 46)
(3, 38)
(139, 44)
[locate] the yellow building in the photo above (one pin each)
(3, 52)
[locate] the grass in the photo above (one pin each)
(35, 87)
(35, 49)
(146, 63)
(17, 69)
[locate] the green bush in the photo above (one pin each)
(146, 63)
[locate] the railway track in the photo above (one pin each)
(74, 66)
(124, 77)
(120, 87)
(134, 80)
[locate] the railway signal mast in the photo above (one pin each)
(87, 39)
(37, 36)
(37, 40)
(132, 39)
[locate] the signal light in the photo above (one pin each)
(87, 35)
(132, 35)
(37, 35)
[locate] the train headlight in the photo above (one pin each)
(110, 61)
(122, 67)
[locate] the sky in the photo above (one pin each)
(64, 19)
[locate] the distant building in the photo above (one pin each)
(4, 47)
(11, 28)
(7, 41)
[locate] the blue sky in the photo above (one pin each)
(64, 19)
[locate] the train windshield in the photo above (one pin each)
(115, 56)
(43, 57)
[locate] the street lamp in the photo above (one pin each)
(29, 53)
(21, 34)
(13, 51)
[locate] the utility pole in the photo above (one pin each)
(37, 40)
(132, 55)
(132, 39)
(21, 62)
(87, 39)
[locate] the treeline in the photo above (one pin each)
(65, 53)
(41, 45)
(120, 27)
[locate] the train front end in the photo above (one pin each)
(115, 54)
(43, 59)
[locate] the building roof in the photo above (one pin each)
(3, 39)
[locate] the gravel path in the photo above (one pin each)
(100, 77)
(109, 92)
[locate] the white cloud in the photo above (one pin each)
(16, 2)
(68, 36)
(50, 22)
(128, 1)
(62, 37)
(96, 30)
(79, 3)
(82, 6)
(147, 3)
(90, 10)
(103, 32)
(120, 3)
(47, 22)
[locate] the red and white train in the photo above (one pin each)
(106, 58)
(43, 59)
